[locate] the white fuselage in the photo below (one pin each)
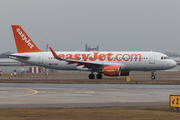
(131, 61)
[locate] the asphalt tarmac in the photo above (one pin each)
(86, 78)
(23, 95)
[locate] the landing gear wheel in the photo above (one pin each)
(91, 76)
(99, 76)
(153, 77)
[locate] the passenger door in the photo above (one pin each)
(152, 58)
(40, 59)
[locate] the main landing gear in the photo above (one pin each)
(152, 75)
(92, 76)
(99, 76)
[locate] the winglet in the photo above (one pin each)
(55, 55)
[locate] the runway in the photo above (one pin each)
(22, 95)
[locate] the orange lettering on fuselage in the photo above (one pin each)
(94, 57)
(136, 56)
(61, 56)
(101, 57)
(69, 57)
(77, 57)
(109, 56)
(85, 56)
(124, 57)
(117, 57)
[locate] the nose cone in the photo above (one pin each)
(173, 64)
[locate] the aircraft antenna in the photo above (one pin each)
(47, 48)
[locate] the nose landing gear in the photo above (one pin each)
(152, 75)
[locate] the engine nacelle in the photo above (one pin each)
(114, 71)
(111, 70)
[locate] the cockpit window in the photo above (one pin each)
(164, 57)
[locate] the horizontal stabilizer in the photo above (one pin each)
(19, 56)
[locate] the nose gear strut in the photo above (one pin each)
(152, 75)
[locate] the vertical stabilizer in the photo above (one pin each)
(23, 41)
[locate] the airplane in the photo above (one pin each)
(111, 63)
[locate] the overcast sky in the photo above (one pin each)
(67, 25)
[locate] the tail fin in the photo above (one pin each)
(23, 41)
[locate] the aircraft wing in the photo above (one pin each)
(87, 62)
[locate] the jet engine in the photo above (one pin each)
(114, 71)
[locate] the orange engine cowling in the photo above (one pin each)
(111, 70)
(114, 71)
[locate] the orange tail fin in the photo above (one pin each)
(23, 41)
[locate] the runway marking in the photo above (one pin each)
(67, 92)
(4, 91)
(29, 93)
(19, 91)
(89, 92)
(77, 92)
(43, 91)
(32, 92)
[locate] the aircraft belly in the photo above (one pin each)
(134, 66)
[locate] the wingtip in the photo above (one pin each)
(54, 54)
(50, 49)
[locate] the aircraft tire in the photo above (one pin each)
(91, 76)
(99, 76)
(153, 77)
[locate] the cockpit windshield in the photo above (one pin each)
(164, 57)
